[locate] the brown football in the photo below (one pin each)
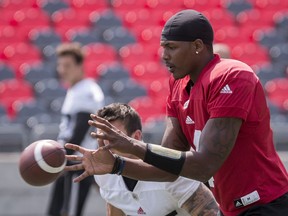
(42, 162)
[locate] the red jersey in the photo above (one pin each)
(253, 173)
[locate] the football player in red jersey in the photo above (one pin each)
(218, 107)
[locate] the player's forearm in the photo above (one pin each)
(137, 169)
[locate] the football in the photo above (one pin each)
(42, 162)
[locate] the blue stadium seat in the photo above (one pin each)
(84, 36)
(279, 53)
(44, 37)
(26, 110)
(269, 72)
(118, 37)
(105, 20)
(49, 89)
(269, 37)
(113, 73)
(50, 6)
(42, 118)
(38, 72)
(237, 6)
(6, 72)
(125, 90)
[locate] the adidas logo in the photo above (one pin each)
(141, 211)
(238, 204)
(226, 90)
(189, 120)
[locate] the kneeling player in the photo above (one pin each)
(127, 196)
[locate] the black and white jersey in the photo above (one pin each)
(82, 99)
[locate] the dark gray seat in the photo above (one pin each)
(6, 72)
(118, 37)
(50, 6)
(44, 37)
(237, 6)
(36, 73)
(85, 37)
(105, 20)
(49, 89)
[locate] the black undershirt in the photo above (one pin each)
(188, 87)
(130, 183)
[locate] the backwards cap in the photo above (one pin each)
(188, 25)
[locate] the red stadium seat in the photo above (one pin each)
(88, 5)
(67, 19)
(20, 53)
(17, 4)
(29, 18)
(164, 4)
(254, 18)
(128, 4)
(149, 108)
(14, 90)
(228, 35)
(219, 18)
(202, 5)
(131, 54)
(277, 92)
(96, 55)
(250, 53)
(269, 4)
(10, 34)
(147, 72)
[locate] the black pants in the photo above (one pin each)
(61, 195)
(278, 207)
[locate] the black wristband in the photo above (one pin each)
(166, 159)
(118, 165)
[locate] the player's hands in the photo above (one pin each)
(114, 138)
(93, 162)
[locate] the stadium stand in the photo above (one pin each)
(121, 39)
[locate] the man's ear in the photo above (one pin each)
(137, 135)
(199, 45)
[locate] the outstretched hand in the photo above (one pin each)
(93, 162)
(114, 138)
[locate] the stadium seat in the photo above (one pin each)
(125, 90)
(118, 37)
(17, 4)
(147, 72)
(19, 54)
(112, 73)
(88, 5)
(148, 108)
(30, 18)
(164, 4)
(269, 37)
(51, 6)
(269, 4)
(133, 53)
(49, 54)
(43, 131)
(38, 72)
(128, 4)
(54, 107)
(279, 53)
(236, 6)
(49, 89)
(13, 137)
(9, 34)
(2, 111)
(67, 19)
(6, 72)
(44, 37)
(219, 18)
(277, 92)
(148, 35)
(104, 20)
(250, 53)
(98, 55)
(83, 36)
(24, 111)
(229, 35)
(202, 5)
(269, 72)
(254, 18)
(14, 90)
(42, 118)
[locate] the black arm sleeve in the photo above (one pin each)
(80, 130)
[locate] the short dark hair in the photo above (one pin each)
(71, 49)
(124, 113)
